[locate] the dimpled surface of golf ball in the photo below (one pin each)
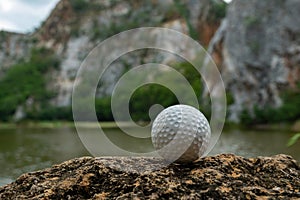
(180, 133)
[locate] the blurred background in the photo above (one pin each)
(255, 44)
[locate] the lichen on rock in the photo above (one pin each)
(224, 176)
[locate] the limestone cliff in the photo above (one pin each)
(13, 48)
(76, 26)
(257, 49)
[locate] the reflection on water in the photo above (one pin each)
(29, 149)
(25, 150)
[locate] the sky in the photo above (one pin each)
(25, 15)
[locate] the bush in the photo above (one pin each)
(50, 113)
(288, 112)
(218, 10)
(146, 96)
(246, 117)
(103, 109)
(192, 75)
(79, 5)
(26, 80)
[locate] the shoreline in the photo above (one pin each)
(288, 127)
(62, 124)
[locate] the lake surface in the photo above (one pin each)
(29, 149)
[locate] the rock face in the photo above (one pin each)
(13, 48)
(257, 49)
(75, 27)
(224, 176)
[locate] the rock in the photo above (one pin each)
(224, 176)
(13, 48)
(296, 126)
(205, 16)
(74, 28)
(257, 50)
(19, 114)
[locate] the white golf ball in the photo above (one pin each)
(180, 133)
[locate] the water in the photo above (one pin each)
(29, 149)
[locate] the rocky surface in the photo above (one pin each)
(257, 49)
(13, 48)
(224, 176)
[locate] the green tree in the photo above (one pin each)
(25, 80)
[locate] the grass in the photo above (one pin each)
(293, 140)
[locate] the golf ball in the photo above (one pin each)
(180, 133)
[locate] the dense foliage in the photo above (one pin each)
(26, 81)
(50, 113)
(218, 10)
(103, 109)
(25, 84)
(288, 112)
(146, 96)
